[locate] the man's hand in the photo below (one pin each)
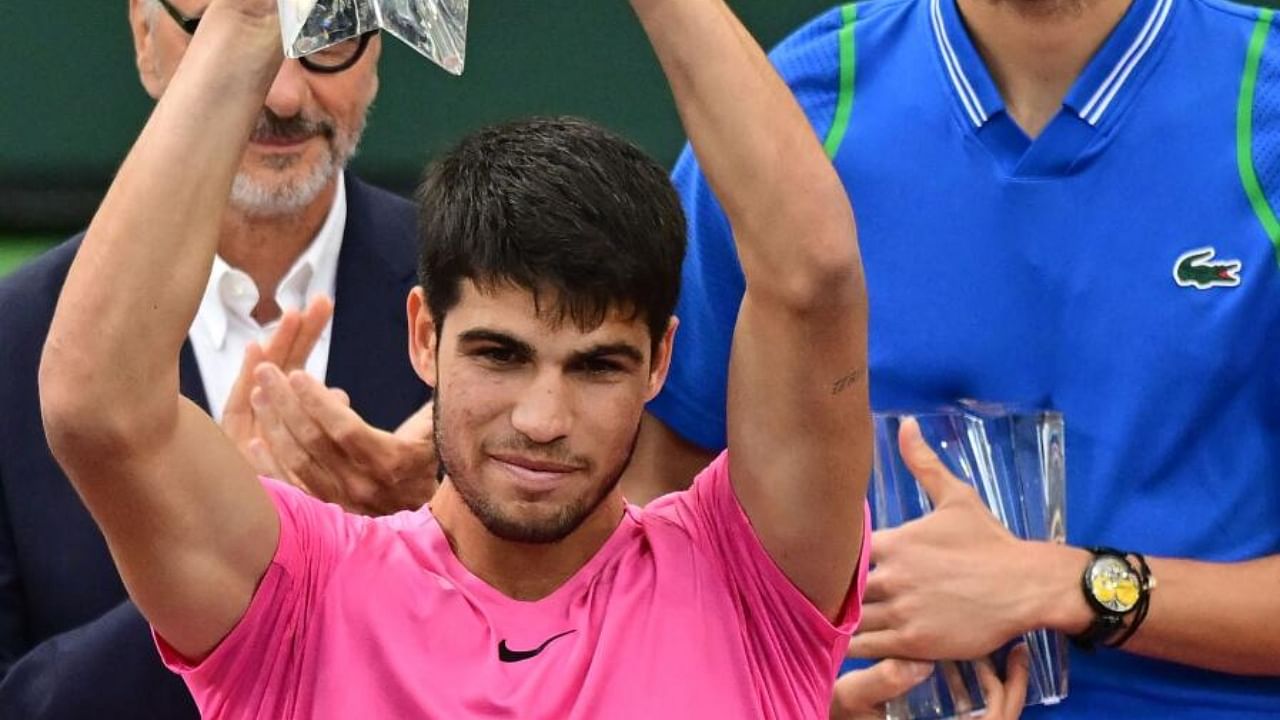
(956, 567)
(310, 437)
(862, 694)
(289, 347)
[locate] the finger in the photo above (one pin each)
(992, 688)
(882, 542)
(925, 464)
(875, 644)
(347, 431)
(289, 409)
(274, 444)
(312, 323)
(300, 448)
(237, 415)
(340, 396)
(956, 686)
(419, 430)
(418, 426)
(281, 341)
(875, 591)
(861, 692)
(1017, 674)
(875, 616)
(260, 457)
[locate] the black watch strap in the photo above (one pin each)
(1108, 626)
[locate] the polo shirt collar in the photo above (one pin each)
(1109, 72)
(967, 73)
(1094, 92)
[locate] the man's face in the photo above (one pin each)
(535, 419)
(310, 123)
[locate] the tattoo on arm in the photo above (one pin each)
(844, 383)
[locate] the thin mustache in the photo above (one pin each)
(552, 453)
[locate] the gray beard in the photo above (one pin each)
(276, 199)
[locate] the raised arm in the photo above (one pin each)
(187, 524)
(799, 426)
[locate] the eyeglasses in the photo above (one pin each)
(333, 59)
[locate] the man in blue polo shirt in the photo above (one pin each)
(1068, 204)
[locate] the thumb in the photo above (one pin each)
(925, 464)
(861, 692)
(419, 426)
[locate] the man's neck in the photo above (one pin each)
(1035, 49)
(522, 571)
(266, 247)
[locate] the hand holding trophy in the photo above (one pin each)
(435, 28)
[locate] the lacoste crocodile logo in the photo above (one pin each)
(1197, 269)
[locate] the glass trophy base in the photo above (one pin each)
(1014, 459)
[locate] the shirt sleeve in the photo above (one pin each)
(256, 669)
(794, 648)
(693, 401)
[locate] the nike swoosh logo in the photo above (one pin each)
(507, 655)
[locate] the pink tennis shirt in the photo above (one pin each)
(681, 614)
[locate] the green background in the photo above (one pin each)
(72, 102)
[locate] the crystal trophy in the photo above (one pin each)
(1014, 459)
(435, 28)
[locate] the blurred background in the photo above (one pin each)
(72, 103)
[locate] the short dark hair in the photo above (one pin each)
(557, 206)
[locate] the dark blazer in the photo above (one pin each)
(71, 643)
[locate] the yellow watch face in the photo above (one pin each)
(1114, 584)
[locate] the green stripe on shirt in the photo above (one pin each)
(848, 78)
(1244, 130)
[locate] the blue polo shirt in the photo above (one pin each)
(1122, 267)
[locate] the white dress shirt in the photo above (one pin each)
(224, 324)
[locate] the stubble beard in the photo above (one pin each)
(1047, 9)
(556, 528)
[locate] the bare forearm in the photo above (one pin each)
(784, 201)
(137, 280)
(1219, 616)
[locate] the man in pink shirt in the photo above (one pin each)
(551, 262)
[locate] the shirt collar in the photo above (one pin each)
(1112, 66)
(969, 78)
(231, 294)
(1093, 92)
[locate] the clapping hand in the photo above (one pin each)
(288, 349)
(311, 438)
(291, 427)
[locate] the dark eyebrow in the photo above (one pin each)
(497, 338)
(626, 350)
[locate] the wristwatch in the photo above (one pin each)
(1114, 589)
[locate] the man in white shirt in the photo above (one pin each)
(298, 230)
